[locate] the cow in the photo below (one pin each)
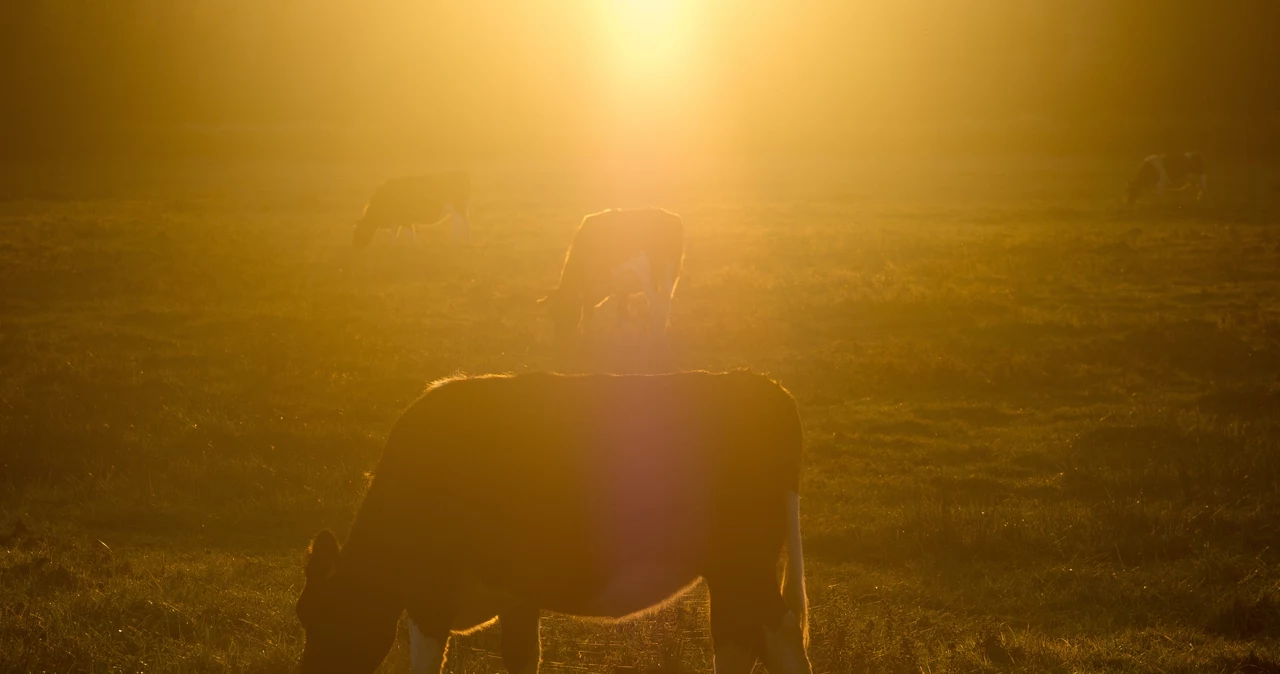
(616, 253)
(1162, 172)
(410, 201)
(604, 496)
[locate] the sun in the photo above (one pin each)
(649, 37)
(653, 106)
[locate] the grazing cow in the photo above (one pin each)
(616, 253)
(593, 495)
(409, 202)
(1162, 172)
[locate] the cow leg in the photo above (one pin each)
(659, 294)
(427, 652)
(736, 643)
(659, 308)
(413, 232)
(737, 634)
(733, 659)
(461, 226)
(521, 651)
(750, 621)
(624, 314)
(784, 646)
(660, 313)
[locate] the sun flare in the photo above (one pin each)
(650, 37)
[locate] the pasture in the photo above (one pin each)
(1042, 431)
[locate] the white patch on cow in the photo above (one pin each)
(793, 585)
(636, 275)
(638, 588)
(1158, 162)
(461, 225)
(633, 275)
(426, 655)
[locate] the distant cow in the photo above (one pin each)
(616, 253)
(594, 495)
(1163, 172)
(416, 200)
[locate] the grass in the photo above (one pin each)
(1041, 429)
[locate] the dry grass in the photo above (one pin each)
(1042, 431)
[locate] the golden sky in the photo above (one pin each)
(605, 76)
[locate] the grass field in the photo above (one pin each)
(1042, 431)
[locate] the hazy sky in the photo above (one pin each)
(608, 75)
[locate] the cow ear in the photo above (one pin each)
(322, 556)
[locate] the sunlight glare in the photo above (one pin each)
(653, 108)
(650, 37)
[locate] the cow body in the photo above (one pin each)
(1161, 173)
(591, 495)
(617, 253)
(408, 202)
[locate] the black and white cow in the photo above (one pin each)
(417, 200)
(592, 495)
(1160, 173)
(617, 253)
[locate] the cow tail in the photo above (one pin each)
(793, 571)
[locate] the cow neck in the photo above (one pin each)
(373, 559)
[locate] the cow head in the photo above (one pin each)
(565, 308)
(348, 629)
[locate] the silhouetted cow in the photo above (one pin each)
(412, 201)
(616, 253)
(1163, 172)
(595, 495)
